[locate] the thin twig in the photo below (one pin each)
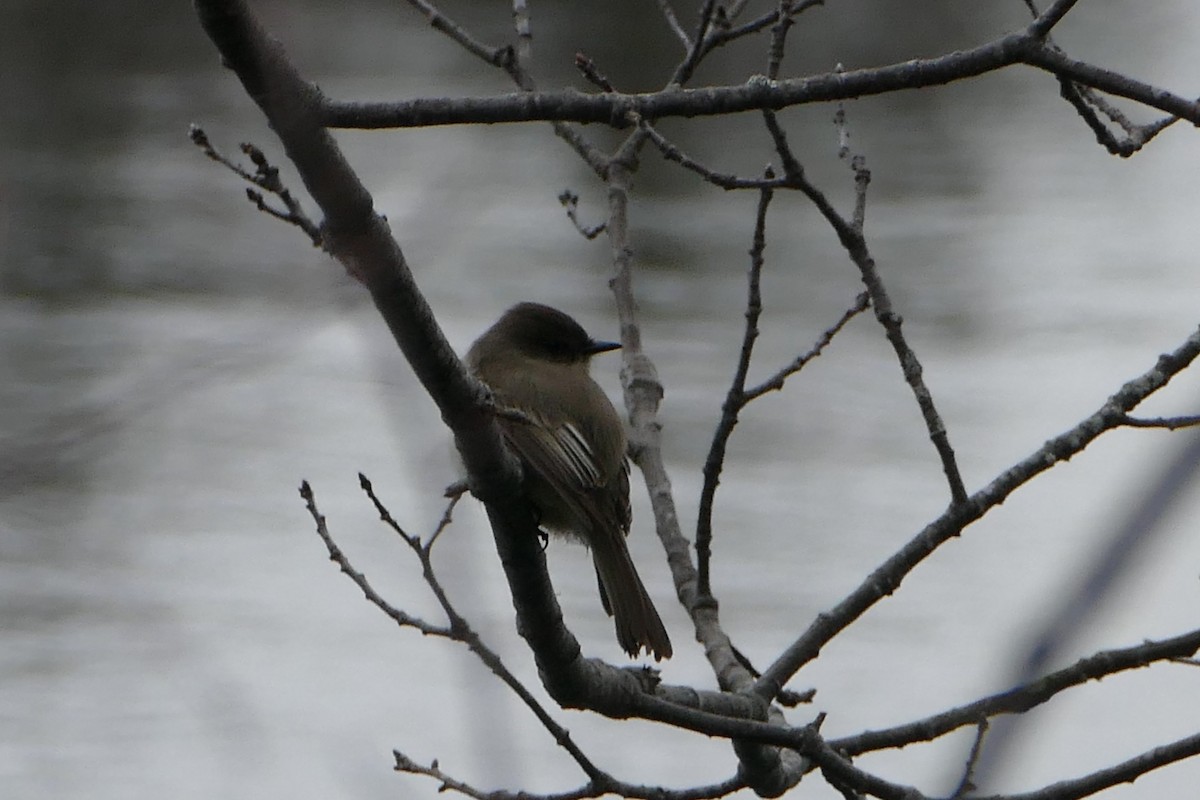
(1170, 423)
(1088, 103)
(524, 29)
(856, 247)
(779, 33)
(444, 522)
(727, 34)
(857, 163)
(570, 201)
(1053, 15)
(1139, 528)
(589, 790)
(508, 60)
(671, 152)
(266, 177)
(673, 23)
(888, 577)
(439, 21)
(587, 67)
(1126, 772)
(735, 398)
(401, 618)
(852, 238)
(735, 9)
(966, 783)
(791, 165)
(683, 72)
(462, 632)
(613, 108)
(774, 383)
(767, 770)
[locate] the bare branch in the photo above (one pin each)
(673, 23)
(729, 33)
(1089, 104)
(1136, 135)
(1054, 61)
(361, 240)
(683, 73)
(858, 165)
(852, 239)
(892, 322)
(570, 201)
(768, 771)
(966, 784)
(779, 33)
(776, 381)
(726, 181)
(401, 618)
(1138, 528)
(735, 398)
(267, 178)
(496, 56)
(1038, 690)
(887, 578)
(773, 755)
(447, 783)
(1125, 772)
(507, 59)
(1170, 423)
(614, 108)
(588, 69)
(434, 770)
(461, 631)
(524, 30)
(839, 771)
(1042, 25)
(854, 782)
(735, 8)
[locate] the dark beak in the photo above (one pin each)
(595, 347)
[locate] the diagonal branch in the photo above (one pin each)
(614, 108)
(505, 58)
(1051, 17)
(774, 383)
(735, 398)
(887, 578)
(850, 233)
(1022, 698)
(668, 13)
(360, 239)
(1125, 772)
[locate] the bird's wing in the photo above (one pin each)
(561, 455)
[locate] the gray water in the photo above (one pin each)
(174, 364)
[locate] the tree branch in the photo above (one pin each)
(361, 240)
(1039, 690)
(887, 578)
(1125, 772)
(735, 398)
(614, 108)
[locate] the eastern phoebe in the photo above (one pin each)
(571, 443)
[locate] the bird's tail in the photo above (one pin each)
(624, 596)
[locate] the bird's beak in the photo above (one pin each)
(602, 347)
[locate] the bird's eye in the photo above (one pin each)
(556, 349)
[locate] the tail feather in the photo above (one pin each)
(624, 596)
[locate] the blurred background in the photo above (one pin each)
(173, 363)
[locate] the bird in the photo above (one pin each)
(572, 447)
